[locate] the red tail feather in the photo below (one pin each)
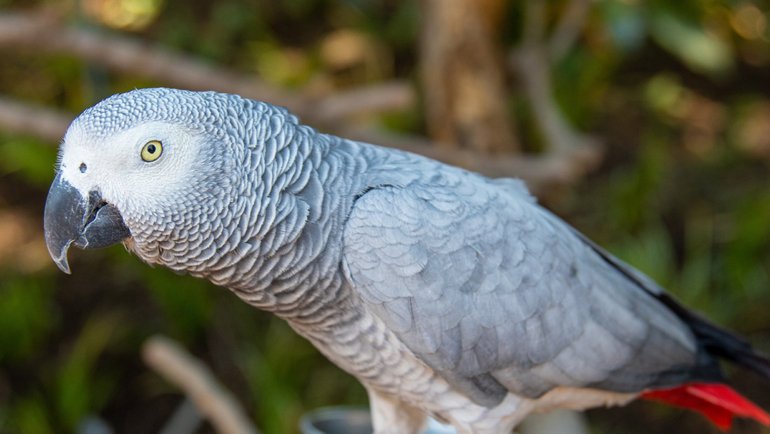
(717, 402)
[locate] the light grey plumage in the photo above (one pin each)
(443, 291)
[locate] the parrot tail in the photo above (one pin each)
(717, 402)
(704, 391)
(719, 342)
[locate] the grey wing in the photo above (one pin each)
(496, 294)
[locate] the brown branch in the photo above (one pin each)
(534, 71)
(171, 361)
(542, 173)
(41, 122)
(45, 32)
(391, 95)
(532, 63)
(568, 29)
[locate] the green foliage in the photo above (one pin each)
(700, 50)
(272, 376)
(634, 192)
(651, 252)
(185, 302)
(27, 317)
(81, 388)
(288, 379)
(30, 158)
(29, 415)
(280, 65)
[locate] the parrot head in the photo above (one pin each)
(152, 168)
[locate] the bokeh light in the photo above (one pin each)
(123, 14)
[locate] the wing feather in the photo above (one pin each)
(487, 287)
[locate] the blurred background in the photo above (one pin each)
(645, 124)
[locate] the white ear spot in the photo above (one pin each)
(83, 167)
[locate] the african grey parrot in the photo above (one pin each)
(444, 292)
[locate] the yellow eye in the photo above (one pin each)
(151, 150)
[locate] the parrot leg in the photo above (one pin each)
(390, 415)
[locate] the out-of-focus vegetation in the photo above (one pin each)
(677, 91)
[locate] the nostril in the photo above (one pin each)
(83, 167)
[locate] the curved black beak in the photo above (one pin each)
(87, 222)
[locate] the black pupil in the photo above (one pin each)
(151, 148)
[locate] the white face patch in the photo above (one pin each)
(114, 165)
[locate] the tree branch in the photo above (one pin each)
(569, 156)
(541, 172)
(532, 63)
(45, 32)
(41, 122)
(335, 108)
(568, 29)
(171, 361)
